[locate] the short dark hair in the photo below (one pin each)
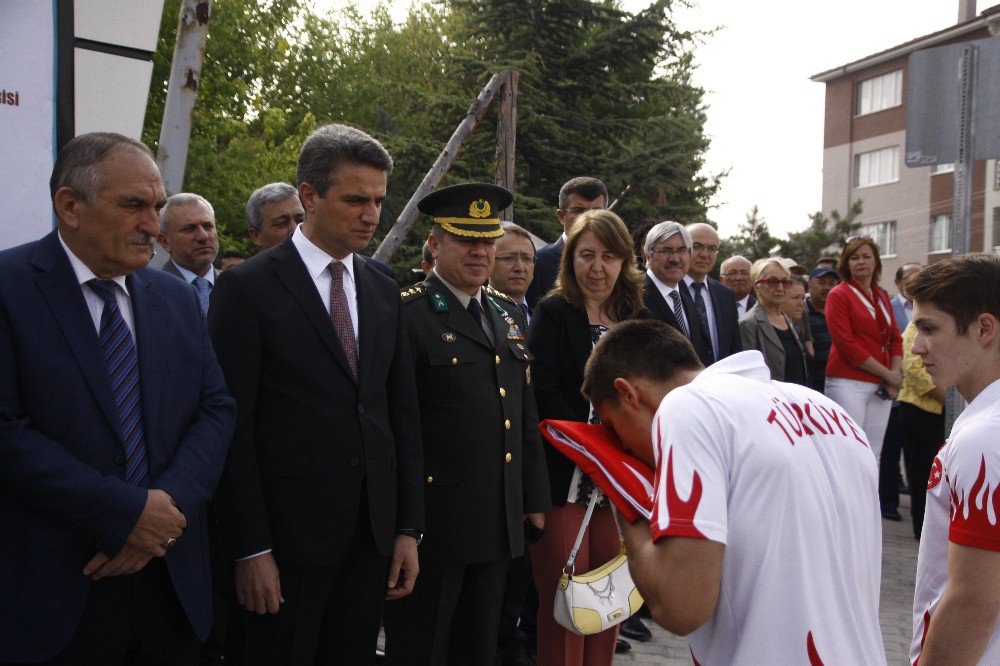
(852, 246)
(331, 146)
(587, 187)
(901, 270)
(521, 232)
(76, 166)
(636, 349)
(964, 287)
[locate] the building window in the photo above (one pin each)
(876, 167)
(943, 168)
(881, 92)
(996, 226)
(884, 235)
(940, 240)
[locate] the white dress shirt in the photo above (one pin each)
(318, 265)
(94, 302)
(189, 276)
(665, 291)
(707, 297)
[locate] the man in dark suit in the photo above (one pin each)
(187, 232)
(321, 500)
(667, 252)
(483, 462)
(735, 274)
(110, 448)
(576, 197)
(714, 302)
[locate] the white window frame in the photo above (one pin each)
(884, 235)
(942, 168)
(880, 93)
(942, 222)
(876, 167)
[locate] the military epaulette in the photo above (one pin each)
(493, 292)
(411, 292)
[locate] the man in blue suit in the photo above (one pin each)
(114, 425)
(576, 197)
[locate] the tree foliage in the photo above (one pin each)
(823, 236)
(753, 240)
(603, 92)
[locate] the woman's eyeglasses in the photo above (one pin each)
(773, 282)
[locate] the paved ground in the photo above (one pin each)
(899, 566)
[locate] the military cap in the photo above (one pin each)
(471, 210)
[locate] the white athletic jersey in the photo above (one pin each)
(785, 479)
(962, 507)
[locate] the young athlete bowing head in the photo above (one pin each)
(956, 308)
(764, 544)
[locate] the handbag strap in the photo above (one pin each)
(583, 530)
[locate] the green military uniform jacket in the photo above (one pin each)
(484, 467)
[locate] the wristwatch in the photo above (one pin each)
(416, 534)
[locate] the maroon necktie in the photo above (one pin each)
(340, 315)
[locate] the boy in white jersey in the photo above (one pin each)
(764, 544)
(956, 311)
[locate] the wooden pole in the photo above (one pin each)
(503, 173)
(444, 161)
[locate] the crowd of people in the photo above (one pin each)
(340, 455)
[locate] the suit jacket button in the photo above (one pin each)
(503, 392)
(355, 461)
(497, 360)
(361, 409)
(454, 361)
(508, 457)
(506, 424)
(430, 479)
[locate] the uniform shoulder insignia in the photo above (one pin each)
(411, 293)
(499, 294)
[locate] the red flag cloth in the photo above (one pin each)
(626, 480)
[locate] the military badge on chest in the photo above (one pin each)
(513, 330)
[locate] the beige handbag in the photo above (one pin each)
(591, 602)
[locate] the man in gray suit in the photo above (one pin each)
(187, 232)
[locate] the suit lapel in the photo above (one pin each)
(458, 318)
(292, 272)
(147, 309)
(578, 333)
(765, 325)
(657, 305)
(59, 287)
(371, 313)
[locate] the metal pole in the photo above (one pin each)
(185, 75)
(961, 218)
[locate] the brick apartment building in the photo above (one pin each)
(906, 210)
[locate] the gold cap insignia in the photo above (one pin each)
(479, 209)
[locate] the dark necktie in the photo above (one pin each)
(204, 289)
(525, 312)
(476, 310)
(679, 313)
(340, 314)
(699, 306)
(123, 368)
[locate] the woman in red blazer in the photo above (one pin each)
(864, 371)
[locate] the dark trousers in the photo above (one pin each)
(519, 610)
(226, 611)
(330, 614)
(130, 620)
(923, 436)
(451, 617)
(888, 464)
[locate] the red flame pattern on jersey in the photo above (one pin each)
(682, 512)
(814, 659)
(974, 516)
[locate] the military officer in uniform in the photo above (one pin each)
(484, 468)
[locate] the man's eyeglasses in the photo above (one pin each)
(526, 259)
(736, 274)
(669, 251)
(773, 282)
(580, 210)
(699, 247)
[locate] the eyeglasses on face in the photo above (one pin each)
(580, 210)
(773, 282)
(701, 247)
(523, 257)
(669, 251)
